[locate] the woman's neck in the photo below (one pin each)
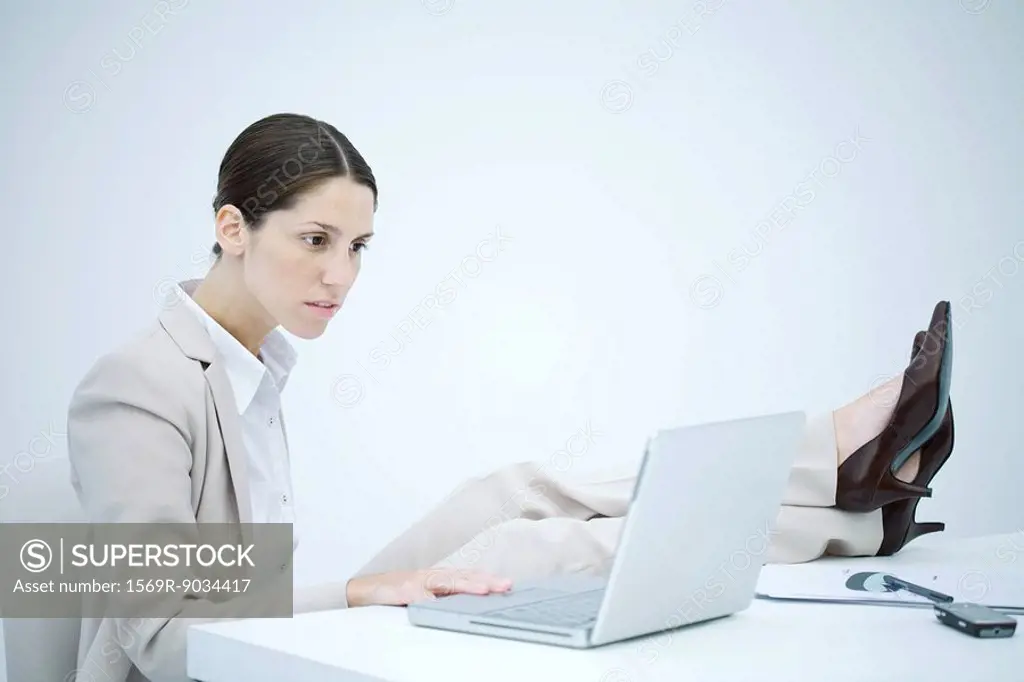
(223, 297)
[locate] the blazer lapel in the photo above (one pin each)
(191, 336)
(231, 432)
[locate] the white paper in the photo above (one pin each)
(847, 583)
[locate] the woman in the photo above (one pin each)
(183, 425)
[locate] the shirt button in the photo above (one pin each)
(270, 422)
(284, 499)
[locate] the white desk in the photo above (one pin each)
(768, 641)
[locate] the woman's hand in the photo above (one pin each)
(404, 587)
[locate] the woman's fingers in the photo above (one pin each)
(480, 583)
(404, 587)
(498, 584)
(484, 583)
(455, 581)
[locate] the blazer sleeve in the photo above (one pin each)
(129, 443)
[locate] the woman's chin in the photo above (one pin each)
(306, 329)
(308, 321)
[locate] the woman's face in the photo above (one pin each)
(302, 262)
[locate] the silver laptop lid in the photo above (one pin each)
(698, 527)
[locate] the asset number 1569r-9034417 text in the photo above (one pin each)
(137, 585)
(200, 585)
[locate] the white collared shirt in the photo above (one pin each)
(257, 389)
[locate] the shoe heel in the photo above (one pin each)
(918, 529)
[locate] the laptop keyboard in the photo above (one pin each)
(572, 611)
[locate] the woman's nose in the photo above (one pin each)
(340, 271)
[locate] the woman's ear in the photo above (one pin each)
(231, 231)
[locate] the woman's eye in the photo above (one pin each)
(360, 246)
(322, 240)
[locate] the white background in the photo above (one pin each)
(624, 149)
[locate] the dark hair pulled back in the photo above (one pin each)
(276, 159)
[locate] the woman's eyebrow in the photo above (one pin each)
(338, 230)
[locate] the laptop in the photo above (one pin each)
(691, 549)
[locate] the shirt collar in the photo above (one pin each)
(245, 371)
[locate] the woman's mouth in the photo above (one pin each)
(324, 309)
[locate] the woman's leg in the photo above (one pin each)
(527, 520)
(808, 525)
(487, 512)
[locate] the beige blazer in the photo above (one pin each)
(154, 436)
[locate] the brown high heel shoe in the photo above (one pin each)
(867, 480)
(899, 525)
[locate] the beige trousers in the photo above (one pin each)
(529, 521)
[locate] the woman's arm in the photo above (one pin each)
(131, 462)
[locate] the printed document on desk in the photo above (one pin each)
(861, 582)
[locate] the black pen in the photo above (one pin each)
(896, 583)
